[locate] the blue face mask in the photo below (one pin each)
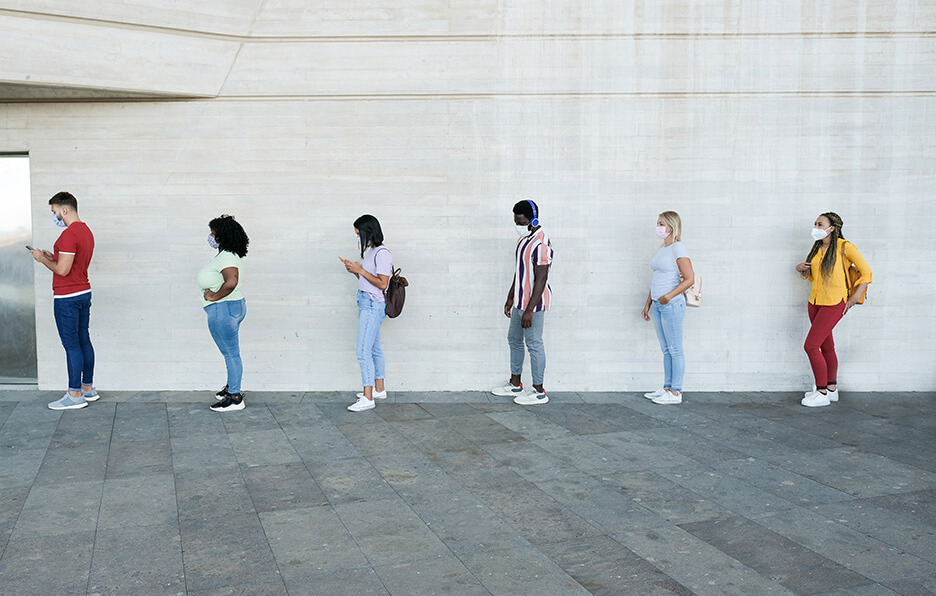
(212, 242)
(58, 221)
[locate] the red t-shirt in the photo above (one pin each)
(77, 240)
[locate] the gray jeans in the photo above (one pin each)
(533, 337)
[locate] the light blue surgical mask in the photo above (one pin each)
(212, 242)
(60, 223)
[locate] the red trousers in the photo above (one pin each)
(819, 346)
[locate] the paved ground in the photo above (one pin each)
(152, 493)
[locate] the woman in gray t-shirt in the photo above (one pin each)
(666, 305)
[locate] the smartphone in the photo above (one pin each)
(29, 248)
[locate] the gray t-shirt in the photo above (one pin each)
(665, 270)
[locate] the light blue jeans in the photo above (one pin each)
(533, 337)
(668, 322)
(224, 319)
(369, 353)
(72, 318)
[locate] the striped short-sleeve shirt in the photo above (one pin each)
(532, 249)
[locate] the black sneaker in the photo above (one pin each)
(230, 403)
(223, 393)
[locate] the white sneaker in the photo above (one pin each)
(508, 390)
(668, 399)
(361, 405)
(531, 399)
(815, 400)
(377, 394)
(654, 394)
(833, 395)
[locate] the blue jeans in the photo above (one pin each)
(224, 319)
(72, 317)
(369, 353)
(533, 337)
(668, 320)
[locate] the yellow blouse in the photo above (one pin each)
(836, 290)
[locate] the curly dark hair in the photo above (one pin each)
(230, 235)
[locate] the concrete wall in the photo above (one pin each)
(436, 117)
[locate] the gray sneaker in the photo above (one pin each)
(68, 403)
(90, 395)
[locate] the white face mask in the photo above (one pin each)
(212, 242)
(819, 233)
(661, 232)
(523, 231)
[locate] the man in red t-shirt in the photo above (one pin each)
(72, 292)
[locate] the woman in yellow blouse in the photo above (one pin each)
(829, 301)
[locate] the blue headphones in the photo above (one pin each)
(535, 221)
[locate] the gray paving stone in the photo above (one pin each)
(205, 494)
(667, 499)
(141, 422)
(392, 412)
(535, 515)
(147, 560)
(529, 425)
(415, 478)
(376, 439)
(284, 486)
(798, 568)
(188, 420)
(520, 571)
(612, 452)
(444, 410)
(733, 494)
(871, 558)
(29, 427)
(263, 448)
(481, 429)
(577, 419)
(82, 428)
(55, 509)
(349, 480)
(530, 461)
(605, 568)
(291, 415)
(253, 418)
(47, 564)
(389, 532)
(857, 473)
(196, 452)
(139, 458)
(228, 550)
(138, 501)
(695, 447)
(318, 442)
(466, 525)
(73, 464)
(694, 563)
(446, 575)
(351, 582)
(430, 436)
(5, 410)
(19, 467)
(11, 504)
(915, 586)
(785, 484)
(310, 542)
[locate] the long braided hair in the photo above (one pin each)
(828, 261)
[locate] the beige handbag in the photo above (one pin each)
(694, 293)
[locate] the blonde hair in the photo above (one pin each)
(671, 218)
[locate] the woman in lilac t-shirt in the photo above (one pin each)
(373, 274)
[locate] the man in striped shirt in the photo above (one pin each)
(527, 304)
